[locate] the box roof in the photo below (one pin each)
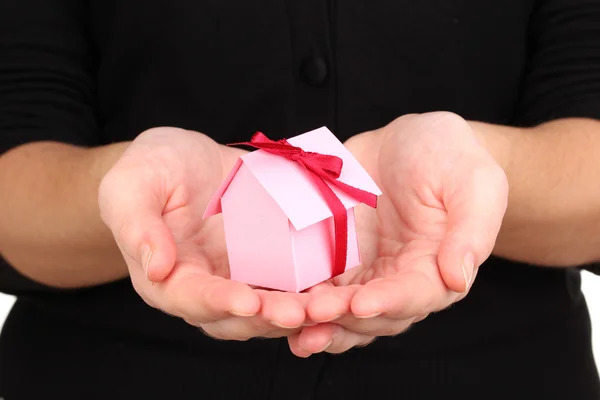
(290, 184)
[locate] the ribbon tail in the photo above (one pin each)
(340, 224)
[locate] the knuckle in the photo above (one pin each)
(447, 120)
(446, 117)
(158, 135)
(403, 119)
(151, 132)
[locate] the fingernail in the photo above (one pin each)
(310, 324)
(368, 316)
(241, 314)
(468, 266)
(329, 320)
(277, 324)
(326, 346)
(146, 257)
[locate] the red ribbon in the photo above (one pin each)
(323, 168)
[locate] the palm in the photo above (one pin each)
(403, 235)
(424, 172)
(153, 200)
(392, 237)
(185, 168)
(200, 246)
(443, 201)
(200, 243)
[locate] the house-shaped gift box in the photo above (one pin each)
(278, 226)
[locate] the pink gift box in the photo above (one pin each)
(278, 227)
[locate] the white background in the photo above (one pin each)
(591, 288)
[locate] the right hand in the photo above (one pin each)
(153, 200)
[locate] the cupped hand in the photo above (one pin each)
(153, 200)
(443, 201)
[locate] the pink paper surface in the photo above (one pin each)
(292, 187)
(257, 234)
(278, 227)
(313, 251)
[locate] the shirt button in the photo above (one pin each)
(314, 71)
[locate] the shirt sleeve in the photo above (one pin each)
(563, 75)
(46, 85)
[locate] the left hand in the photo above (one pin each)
(444, 197)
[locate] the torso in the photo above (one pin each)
(228, 69)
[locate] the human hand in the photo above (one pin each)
(153, 200)
(443, 201)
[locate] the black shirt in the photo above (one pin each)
(99, 71)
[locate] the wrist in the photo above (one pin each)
(51, 228)
(501, 142)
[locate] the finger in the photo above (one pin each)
(328, 337)
(476, 206)
(147, 239)
(131, 207)
(295, 348)
(348, 340)
(283, 310)
(405, 295)
(193, 294)
(281, 315)
(375, 326)
(242, 329)
(328, 302)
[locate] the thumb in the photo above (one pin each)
(475, 202)
(132, 208)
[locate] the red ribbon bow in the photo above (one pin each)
(323, 168)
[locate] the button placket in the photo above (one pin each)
(314, 71)
(312, 60)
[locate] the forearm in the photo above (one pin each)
(553, 216)
(50, 228)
